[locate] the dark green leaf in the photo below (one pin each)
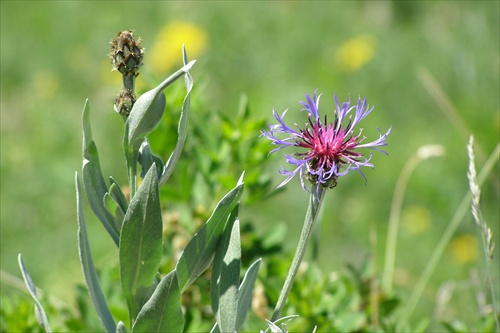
(141, 243)
(162, 312)
(198, 254)
(39, 311)
(89, 271)
(93, 181)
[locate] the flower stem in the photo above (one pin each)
(315, 201)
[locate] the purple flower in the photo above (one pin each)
(329, 149)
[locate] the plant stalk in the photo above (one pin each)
(315, 201)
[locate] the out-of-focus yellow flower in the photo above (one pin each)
(416, 219)
(355, 53)
(464, 249)
(167, 50)
(45, 84)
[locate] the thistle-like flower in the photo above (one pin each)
(330, 149)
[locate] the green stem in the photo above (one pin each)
(315, 201)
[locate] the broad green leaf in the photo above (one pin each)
(41, 317)
(226, 276)
(89, 271)
(141, 243)
(162, 312)
(93, 181)
(245, 293)
(199, 252)
(183, 124)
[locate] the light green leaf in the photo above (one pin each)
(226, 276)
(93, 181)
(182, 128)
(245, 293)
(89, 271)
(162, 312)
(141, 243)
(39, 311)
(198, 254)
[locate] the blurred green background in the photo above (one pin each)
(54, 56)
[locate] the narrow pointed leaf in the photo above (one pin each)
(93, 181)
(226, 277)
(89, 271)
(162, 312)
(245, 293)
(182, 128)
(141, 243)
(198, 254)
(39, 311)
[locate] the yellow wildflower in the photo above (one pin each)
(167, 50)
(355, 53)
(464, 248)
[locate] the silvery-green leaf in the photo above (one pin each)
(146, 113)
(226, 276)
(39, 311)
(121, 328)
(146, 159)
(183, 124)
(117, 195)
(198, 254)
(245, 293)
(141, 243)
(89, 271)
(162, 312)
(93, 181)
(112, 207)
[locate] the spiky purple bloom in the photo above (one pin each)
(330, 149)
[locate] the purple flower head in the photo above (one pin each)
(328, 149)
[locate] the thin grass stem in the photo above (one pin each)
(423, 153)
(444, 241)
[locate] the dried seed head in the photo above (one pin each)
(126, 53)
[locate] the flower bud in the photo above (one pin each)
(126, 53)
(124, 103)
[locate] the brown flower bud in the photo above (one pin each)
(126, 53)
